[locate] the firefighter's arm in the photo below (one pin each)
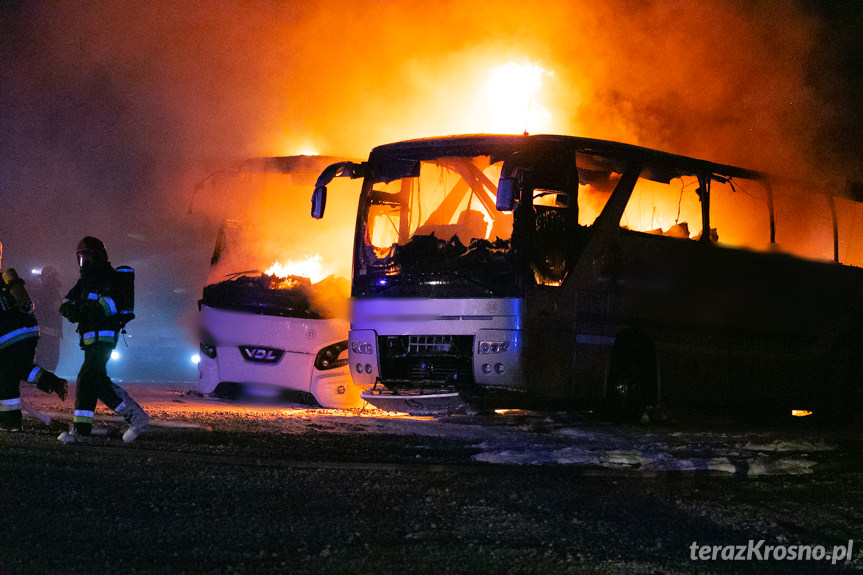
(96, 306)
(107, 305)
(70, 308)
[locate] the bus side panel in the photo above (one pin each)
(733, 327)
(594, 339)
(548, 340)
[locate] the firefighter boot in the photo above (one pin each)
(73, 435)
(10, 420)
(134, 415)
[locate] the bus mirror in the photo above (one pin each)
(319, 202)
(506, 189)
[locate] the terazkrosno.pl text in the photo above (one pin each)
(760, 551)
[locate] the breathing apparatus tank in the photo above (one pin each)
(125, 297)
(16, 294)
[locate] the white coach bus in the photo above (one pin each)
(273, 317)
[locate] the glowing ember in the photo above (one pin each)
(800, 412)
(512, 90)
(311, 267)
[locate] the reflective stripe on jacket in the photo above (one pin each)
(35, 374)
(107, 303)
(103, 336)
(17, 335)
(10, 404)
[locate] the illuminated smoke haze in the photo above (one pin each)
(111, 113)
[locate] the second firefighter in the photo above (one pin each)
(97, 304)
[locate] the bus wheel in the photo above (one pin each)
(840, 397)
(632, 384)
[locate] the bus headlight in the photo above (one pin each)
(362, 347)
(332, 356)
(208, 350)
(486, 347)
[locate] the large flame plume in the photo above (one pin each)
(513, 91)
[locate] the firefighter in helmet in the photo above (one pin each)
(19, 334)
(93, 304)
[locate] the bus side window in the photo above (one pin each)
(804, 226)
(672, 210)
(738, 209)
(591, 202)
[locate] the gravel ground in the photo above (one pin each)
(224, 488)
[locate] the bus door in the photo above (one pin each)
(549, 215)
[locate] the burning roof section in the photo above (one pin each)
(270, 257)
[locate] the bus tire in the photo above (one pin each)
(632, 383)
(841, 389)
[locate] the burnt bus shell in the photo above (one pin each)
(726, 326)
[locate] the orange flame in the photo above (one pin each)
(512, 99)
(311, 267)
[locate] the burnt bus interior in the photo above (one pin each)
(646, 277)
(292, 296)
(257, 204)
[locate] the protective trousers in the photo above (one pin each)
(16, 361)
(95, 385)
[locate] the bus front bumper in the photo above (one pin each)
(415, 402)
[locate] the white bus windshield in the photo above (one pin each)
(439, 228)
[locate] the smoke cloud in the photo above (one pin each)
(111, 113)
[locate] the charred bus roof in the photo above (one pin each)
(289, 164)
(387, 161)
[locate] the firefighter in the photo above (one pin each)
(93, 304)
(19, 334)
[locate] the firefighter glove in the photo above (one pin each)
(61, 388)
(93, 310)
(69, 309)
(48, 382)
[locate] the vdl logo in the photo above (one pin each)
(261, 354)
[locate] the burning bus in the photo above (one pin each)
(273, 317)
(593, 273)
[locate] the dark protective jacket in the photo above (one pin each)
(15, 324)
(92, 304)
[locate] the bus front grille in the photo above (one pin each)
(443, 358)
